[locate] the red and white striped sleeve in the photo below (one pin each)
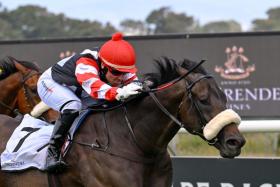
(87, 75)
(129, 77)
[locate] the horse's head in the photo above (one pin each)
(203, 112)
(30, 72)
(200, 103)
(27, 96)
(21, 78)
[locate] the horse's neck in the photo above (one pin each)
(153, 128)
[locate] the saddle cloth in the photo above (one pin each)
(27, 147)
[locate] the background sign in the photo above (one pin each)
(246, 65)
(219, 172)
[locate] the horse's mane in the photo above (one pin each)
(7, 66)
(166, 70)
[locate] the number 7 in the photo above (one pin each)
(30, 130)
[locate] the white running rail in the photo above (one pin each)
(255, 126)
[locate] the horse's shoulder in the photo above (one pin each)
(5, 118)
(7, 127)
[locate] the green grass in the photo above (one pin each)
(257, 145)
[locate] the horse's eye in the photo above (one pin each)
(204, 100)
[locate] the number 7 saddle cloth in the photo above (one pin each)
(27, 147)
(23, 148)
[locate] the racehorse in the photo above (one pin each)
(18, 87)
(127, 145)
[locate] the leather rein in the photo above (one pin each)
(151, 93)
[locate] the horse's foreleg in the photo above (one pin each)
(162, 173)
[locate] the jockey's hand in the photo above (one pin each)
(128, 90)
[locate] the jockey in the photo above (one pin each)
(106, 74)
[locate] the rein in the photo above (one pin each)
(164, 86)
(167, 113)
(171, 83)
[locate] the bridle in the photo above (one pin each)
(27, 91)
(189, 94)
(28, 94)
(202, 118)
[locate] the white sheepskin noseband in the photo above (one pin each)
(39, 109)
(215, 125)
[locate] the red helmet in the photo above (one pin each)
(118, 54)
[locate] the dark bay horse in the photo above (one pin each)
(127, 146)
(18, 85)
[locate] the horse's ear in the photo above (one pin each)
(20, 67)
(182, 71)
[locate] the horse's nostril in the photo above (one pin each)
(232, 142)
(235, 142)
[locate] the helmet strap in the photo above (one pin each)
(103, 71)
(102, 74)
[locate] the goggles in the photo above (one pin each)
(115, 72)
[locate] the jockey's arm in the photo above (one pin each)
(87, 75)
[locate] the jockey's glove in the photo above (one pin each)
(128, 90)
